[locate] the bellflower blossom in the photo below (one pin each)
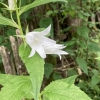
(42, 45)
(11, 4)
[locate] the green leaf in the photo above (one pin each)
(48, 69)
(6, 21)
(37, 3)
(5, 79)
(82, 64)
(69, 80)
(59, 90)
(35, 67)
(95, 72)
(16, 89)
(10, 32)
(83, 31)
(80, 15)
(29, 95)
(71, 42)
(2, 38)
(49, 12)
(82, 84)
(95, 80)
(57, 76)
(93, 46)
(82, 43)
(72, 72)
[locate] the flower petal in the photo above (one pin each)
(59, 56)
(46, 31)
(40, 50)
(29, 37)
(61, 52)
(32, 53)
(53, 46)
(58, 52)
(44, 40)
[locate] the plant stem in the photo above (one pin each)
(18, 18)
(12, 18)
(19, 23)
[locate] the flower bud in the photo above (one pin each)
(11, 4)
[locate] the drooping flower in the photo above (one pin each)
(42, 45)
(11, 4)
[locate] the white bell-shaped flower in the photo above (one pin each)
(42, 45)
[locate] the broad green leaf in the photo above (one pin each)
(5, 78)
(16, 89)
(80, 15)
(83, 31)
(93, 46)
(82, 43)
(69, 80)
(82, 84)
(59, 90)
(86, 14)
(57, 76)
(29, 95)
(82, 64)
(71, 42)
(6, 21)
(35, 67)
(48, 69)
(95, 80)
(72, 72)
(10, 32)
(38, 3)
(49, 12)
(95, 72)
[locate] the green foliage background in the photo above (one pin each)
(74, 24)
